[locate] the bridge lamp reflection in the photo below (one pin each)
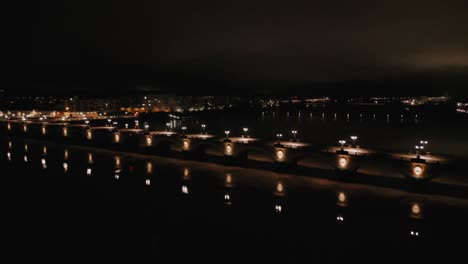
(25, 128)
(65, 132)
(44, 150)
(9, 144)
(9, 126)
(186, 174)
(149, 167)
(25, 147)
(117, 161)
(279, 189)
(278, 208)
(65, 154)
(43, 130)
(89, 134)
(117, 137)
(228, 181)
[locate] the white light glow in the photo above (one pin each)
(89, 171)
(280, 154)
(418, 170)
(185, 189)
(9, 156)
(343, 162)
(65, 167)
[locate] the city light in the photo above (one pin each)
(354, 138)
(227, 132)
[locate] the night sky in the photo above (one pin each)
(312, 46)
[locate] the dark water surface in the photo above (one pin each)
(193, 212)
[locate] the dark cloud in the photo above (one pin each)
(308, 41)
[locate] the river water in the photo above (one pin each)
(87, 203)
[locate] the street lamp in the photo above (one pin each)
(203, 127)
(354, 138)
(168, 126)
(146, 126)
(246, 129)
(279, 136)
(294, 132)
(342, 142)
(183, 130)
(419, 148)
(109, 121)
(423, 143)
(227, 132)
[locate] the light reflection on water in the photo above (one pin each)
(297, 201)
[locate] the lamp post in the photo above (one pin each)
(203, 128)
(227, 132)
(342, 142)
(146, 127)
(294, 133)
(246, 129)
(183, 130)
(279, 136)
(87, 123)
(423, 143)
(109, 121)
(354, 138)
(418, 149)
(168, 125)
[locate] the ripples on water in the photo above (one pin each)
(100, 202)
